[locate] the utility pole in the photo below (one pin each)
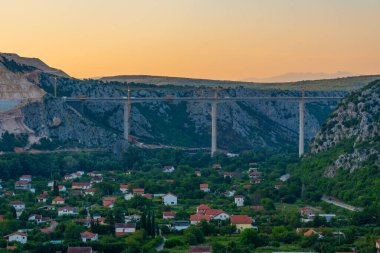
(301, 144)
(214, 110)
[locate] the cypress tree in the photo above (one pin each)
(149, 224)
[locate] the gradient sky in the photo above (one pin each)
(218, 39)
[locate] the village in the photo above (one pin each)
(168, 209)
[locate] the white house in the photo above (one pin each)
(62, 188)
(18, 205)
(124, 229)
(26, 178)
(168, 215)
(88, 236)
(128, 196)
(124, 188)
(67, 210)
(168, 169)
(218, 214)
(169, 199)
(17, 237)
(239, 200)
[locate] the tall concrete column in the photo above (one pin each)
(214, 109)
(127, 116)
(301, 145)
(126, 121)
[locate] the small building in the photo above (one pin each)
(23, 185)
(109, 201)
(124, 188)
(87, 236)
(204, 187)
(79, 250)
(168, 169)
(41, 198)
(181, 225)
(139, 191)
(17, 237)
(378, 245)
(133, 218)
(124, 229)
(217, 214)
(169, 199)
(26, 178)
(241, 222)
(200, 249)
(217, 166)
(312, 231)
(198, 173)
(62, 188)
(18, 205)
(67, 210)
(96, 180)
(58, 201)
(168, 215)
(39, 219)
(239, 200)
(81, 185)
(306, 211)
(90, 192)
(255, 174)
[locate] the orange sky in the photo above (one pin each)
(218, 39)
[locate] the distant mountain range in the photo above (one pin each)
(299, 76)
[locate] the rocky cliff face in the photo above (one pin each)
(356, 121)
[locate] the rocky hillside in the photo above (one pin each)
(357, 120)
(344, 158)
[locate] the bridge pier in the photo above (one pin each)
(214, 109)
(301, 142)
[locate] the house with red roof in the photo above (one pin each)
(81, 185)
(27, 178)
(168, 215)
(139, 191)
(109, 201)
(217, 166)
(58, 201)
(17, 237)
(23, 185)
(87, 236)
(90, 191)
(241, 222)
(204, 187)
(79, 250)
(196, 218)
(168, 169)
(124, 188)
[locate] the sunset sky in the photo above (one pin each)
(217, 39)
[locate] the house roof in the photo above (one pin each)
(310, 232)
(26, 176)
(138, 190)
(87, 235)
(214, 212)
(22, 182)
(203, 207)
(203, 186)
(199, 217)
(79, 250)
(239, 197)
(169, 194)
(200, 249)
(124, 186)
(58, 199)
(16, 202)
(16, 233)
(168, 213)
(69, 208)
(240, 219)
